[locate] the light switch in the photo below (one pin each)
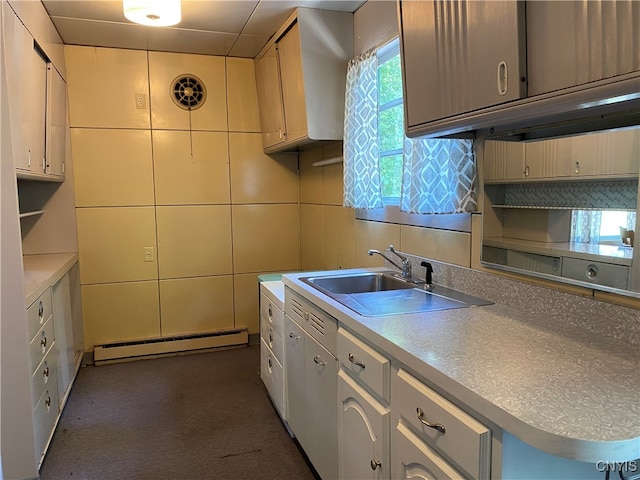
(141, 101)
(148, 254)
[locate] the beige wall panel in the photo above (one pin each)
(242, 95)
(111, 244)
(103, 84)
(120, 312)
(266, 238)
(339, 237)
(260, 178)
(442, 245)
(245, 298)
(191, 167)
(166, 67)
(112, 167)
(311, 237)
(194, 240)
(374, 235)
(310, 176)
(196, 305)
(333, 176)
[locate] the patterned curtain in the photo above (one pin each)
(438, 176)
(585, 226)
(361, 164)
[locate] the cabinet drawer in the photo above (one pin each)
(272, 338)
(44, 419)
(41, 344)
(317, 323)
(44, 376)
(272, 375)
(273, 314)
(364, 363)
(414, 459)
(465, 441)
(595, 272)
(38, 313)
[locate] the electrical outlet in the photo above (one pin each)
(148, 254)
(141, 101)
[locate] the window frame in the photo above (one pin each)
(390, 212)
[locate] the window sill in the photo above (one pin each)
(460, 222)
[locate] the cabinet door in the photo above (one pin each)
(18, 47)
(57, 121)
(503, 160)
(322, 416)
(605, 154)
(413, 459)
(295, 343)
(574, 42)
(363, 429)
(63, 328)
(290, 58)
(547, 159)
(270, 98)
(460, 56)
(35, 118)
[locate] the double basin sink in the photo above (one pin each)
(375, 294)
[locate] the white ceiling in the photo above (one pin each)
(237, 28)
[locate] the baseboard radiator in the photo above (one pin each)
(164, 346)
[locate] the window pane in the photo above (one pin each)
(391, 175)
(389, 80)
(391, 127)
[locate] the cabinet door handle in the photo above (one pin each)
(436, 426)
(294, 336)
(576, 169)
(318, 360)
(375, 464)
(353, 360)
(526, 171)
(503, 78)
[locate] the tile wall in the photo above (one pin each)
(194, 186)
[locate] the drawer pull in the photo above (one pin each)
(436, 426)
(375, 464)
(45, 372)
(270, 312)
(294, 336)
(353, 360)
(43, 343)
(317, 360)
(40, 311)
(270, 338)
(47, 402)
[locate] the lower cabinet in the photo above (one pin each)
(445, 441)
(54, 329)
(311, 384)
(363, 433)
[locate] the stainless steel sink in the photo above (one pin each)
(359, 283)
(385, 293)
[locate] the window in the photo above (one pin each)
(390, 121)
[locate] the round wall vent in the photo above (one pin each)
(188, 92)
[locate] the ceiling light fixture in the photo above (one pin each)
(156, 13)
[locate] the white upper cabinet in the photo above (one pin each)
(37, 104)
(574, 43)
(301, 79)
(460, 56)
(518, 69)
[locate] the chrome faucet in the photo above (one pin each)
(406, 264)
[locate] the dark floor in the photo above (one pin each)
(197, 416)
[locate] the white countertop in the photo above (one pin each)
(571, 396)
(42, 271)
